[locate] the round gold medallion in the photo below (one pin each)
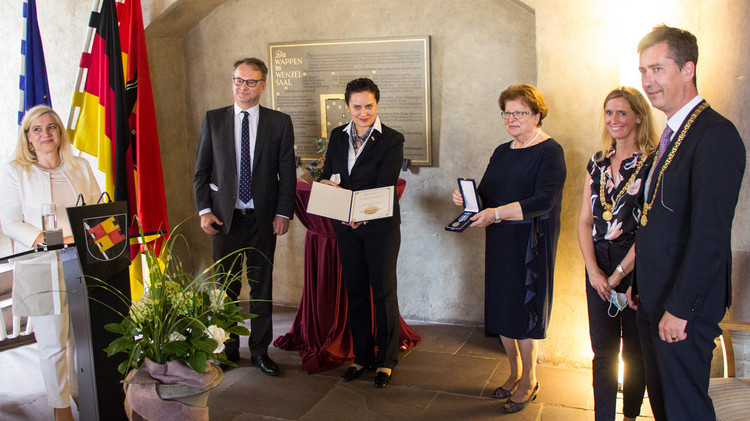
(644, 220)
(607, 215)
(455, 224)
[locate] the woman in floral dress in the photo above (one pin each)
(615, 179)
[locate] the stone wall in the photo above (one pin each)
(573, 51)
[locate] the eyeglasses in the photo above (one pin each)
(519, 115)
(251, 83)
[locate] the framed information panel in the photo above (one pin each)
(307, 80)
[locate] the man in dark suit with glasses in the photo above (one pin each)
(244, 183)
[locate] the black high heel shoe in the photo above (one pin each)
(503, 393)
(513, 407)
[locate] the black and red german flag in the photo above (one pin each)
(116, 122)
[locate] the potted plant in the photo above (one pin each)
(173, 335)
(315, 167)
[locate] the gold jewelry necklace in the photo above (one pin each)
(607, 215)
(647, 206)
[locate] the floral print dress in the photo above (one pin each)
(623, 199)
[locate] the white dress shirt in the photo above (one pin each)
(352, 155)
(253, 117)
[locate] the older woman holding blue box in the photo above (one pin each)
(521, 193)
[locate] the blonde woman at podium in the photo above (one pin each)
(45, 172)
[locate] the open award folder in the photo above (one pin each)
(471, 205)
(350, 206)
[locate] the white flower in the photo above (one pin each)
(217, 296)
(219, 335)
(176, 336)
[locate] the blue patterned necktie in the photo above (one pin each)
(663, 143)
(245, 173)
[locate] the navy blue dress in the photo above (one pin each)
(520, 255)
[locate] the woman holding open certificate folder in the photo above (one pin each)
(521, 194)
(366, 154)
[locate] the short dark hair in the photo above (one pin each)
(255, 62)
(362, 84)
(529, 95)
(683, 46)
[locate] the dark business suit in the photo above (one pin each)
(273, 187)
(369, 253)
(683, 263)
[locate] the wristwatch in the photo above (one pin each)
(621, 270)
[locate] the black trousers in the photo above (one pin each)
(369, 261)
(677, 374)
(605, 333)
(258, 256)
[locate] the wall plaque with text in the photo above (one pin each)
(307, 81)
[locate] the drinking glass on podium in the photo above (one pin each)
(52, 235)
(49, 217)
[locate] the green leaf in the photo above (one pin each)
(124, 367)
(121, 344)
(227, 362)
(207, 345)
(120, 328)
(198, 362)
(195, 324)
(239, 330)
(177, 347)
(246, 316)
(235, 318)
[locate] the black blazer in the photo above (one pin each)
(377, 166)
(683, 253)
(274, 175)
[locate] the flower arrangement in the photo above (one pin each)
(315, 167)
(179, 317)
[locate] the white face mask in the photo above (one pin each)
(619, 300)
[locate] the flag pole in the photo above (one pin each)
(79, 78)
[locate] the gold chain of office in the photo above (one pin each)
(607, 215)
(683, 133)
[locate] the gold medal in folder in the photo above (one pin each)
(351, 206)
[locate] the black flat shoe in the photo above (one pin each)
(503, 393)
(266, 365)
(352, 373)
(513, 407)
(382, 379)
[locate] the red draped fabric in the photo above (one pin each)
(320, 331)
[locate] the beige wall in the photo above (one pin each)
(723, 81)
(469, 68)
(580, 47)
(572, 50)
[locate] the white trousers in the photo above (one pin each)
(54, 338)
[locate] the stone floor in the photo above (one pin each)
(448, 376)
